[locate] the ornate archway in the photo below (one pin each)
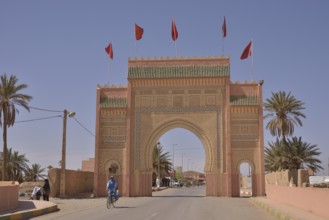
(195, 94)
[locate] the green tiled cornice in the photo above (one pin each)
(136, 72)
(244, 100)
(113, 102)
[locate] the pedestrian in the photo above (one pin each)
(46, 190)
(36, 193)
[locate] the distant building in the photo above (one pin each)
(195, 176)
(88, 165)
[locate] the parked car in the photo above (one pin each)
(178, 183)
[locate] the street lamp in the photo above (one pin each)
(158, 178)
(62, 185)
(173, 156)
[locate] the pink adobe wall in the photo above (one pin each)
(235, 185)
(75, 182)
(311, 199)
(9, 195)
(211, 185)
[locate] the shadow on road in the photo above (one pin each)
(180, 196)
(124, 207)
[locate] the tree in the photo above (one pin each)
(17, 165)
(275, 156)
(165, 164)
(35, 173)
(303, 154)
(9, 98)
(293, 155)
(285, 111)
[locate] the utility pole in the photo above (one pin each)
(62, 188)
(63, 162)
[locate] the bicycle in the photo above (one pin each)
(110, 199)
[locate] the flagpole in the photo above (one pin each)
(252, 58)
(108, 81)
(176, 49)
(136, 50)
(223, 45)
(174, 30)
(223, 34)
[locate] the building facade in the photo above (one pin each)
(195, 94)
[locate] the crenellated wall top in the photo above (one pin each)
(178, 67)
(111, 87)
(113, 91)
(178, 61)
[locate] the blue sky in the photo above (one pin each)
(57, 49)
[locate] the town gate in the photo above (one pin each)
(191, 93)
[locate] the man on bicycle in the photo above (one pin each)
(112, 187)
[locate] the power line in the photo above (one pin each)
(38, 119)
(83, 126)
(46, 110)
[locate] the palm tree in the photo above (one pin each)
(164, 159)
(285, 111)
(17, 165)
(303, 155)
(293, 155)
(35, 173)
(9, 98)
(276, 156)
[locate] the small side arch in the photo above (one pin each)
(112, 168)
(246, 182)
(251, 163)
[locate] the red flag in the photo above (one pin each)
(174, 32)
(138, 32)
(109, 51)
(224, 27)
(247, 51)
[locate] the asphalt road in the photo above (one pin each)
(176, 203)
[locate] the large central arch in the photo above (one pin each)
(179, 123)
(195, 129)
(195, 94)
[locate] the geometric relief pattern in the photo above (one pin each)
(178, 101)
(113, 131)
(146, 101)
(162, 101)
(244, 144)
(242, 137)
(244, 129)
(194, 100)
(211, 100)
(113, 138)
(112, 145)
